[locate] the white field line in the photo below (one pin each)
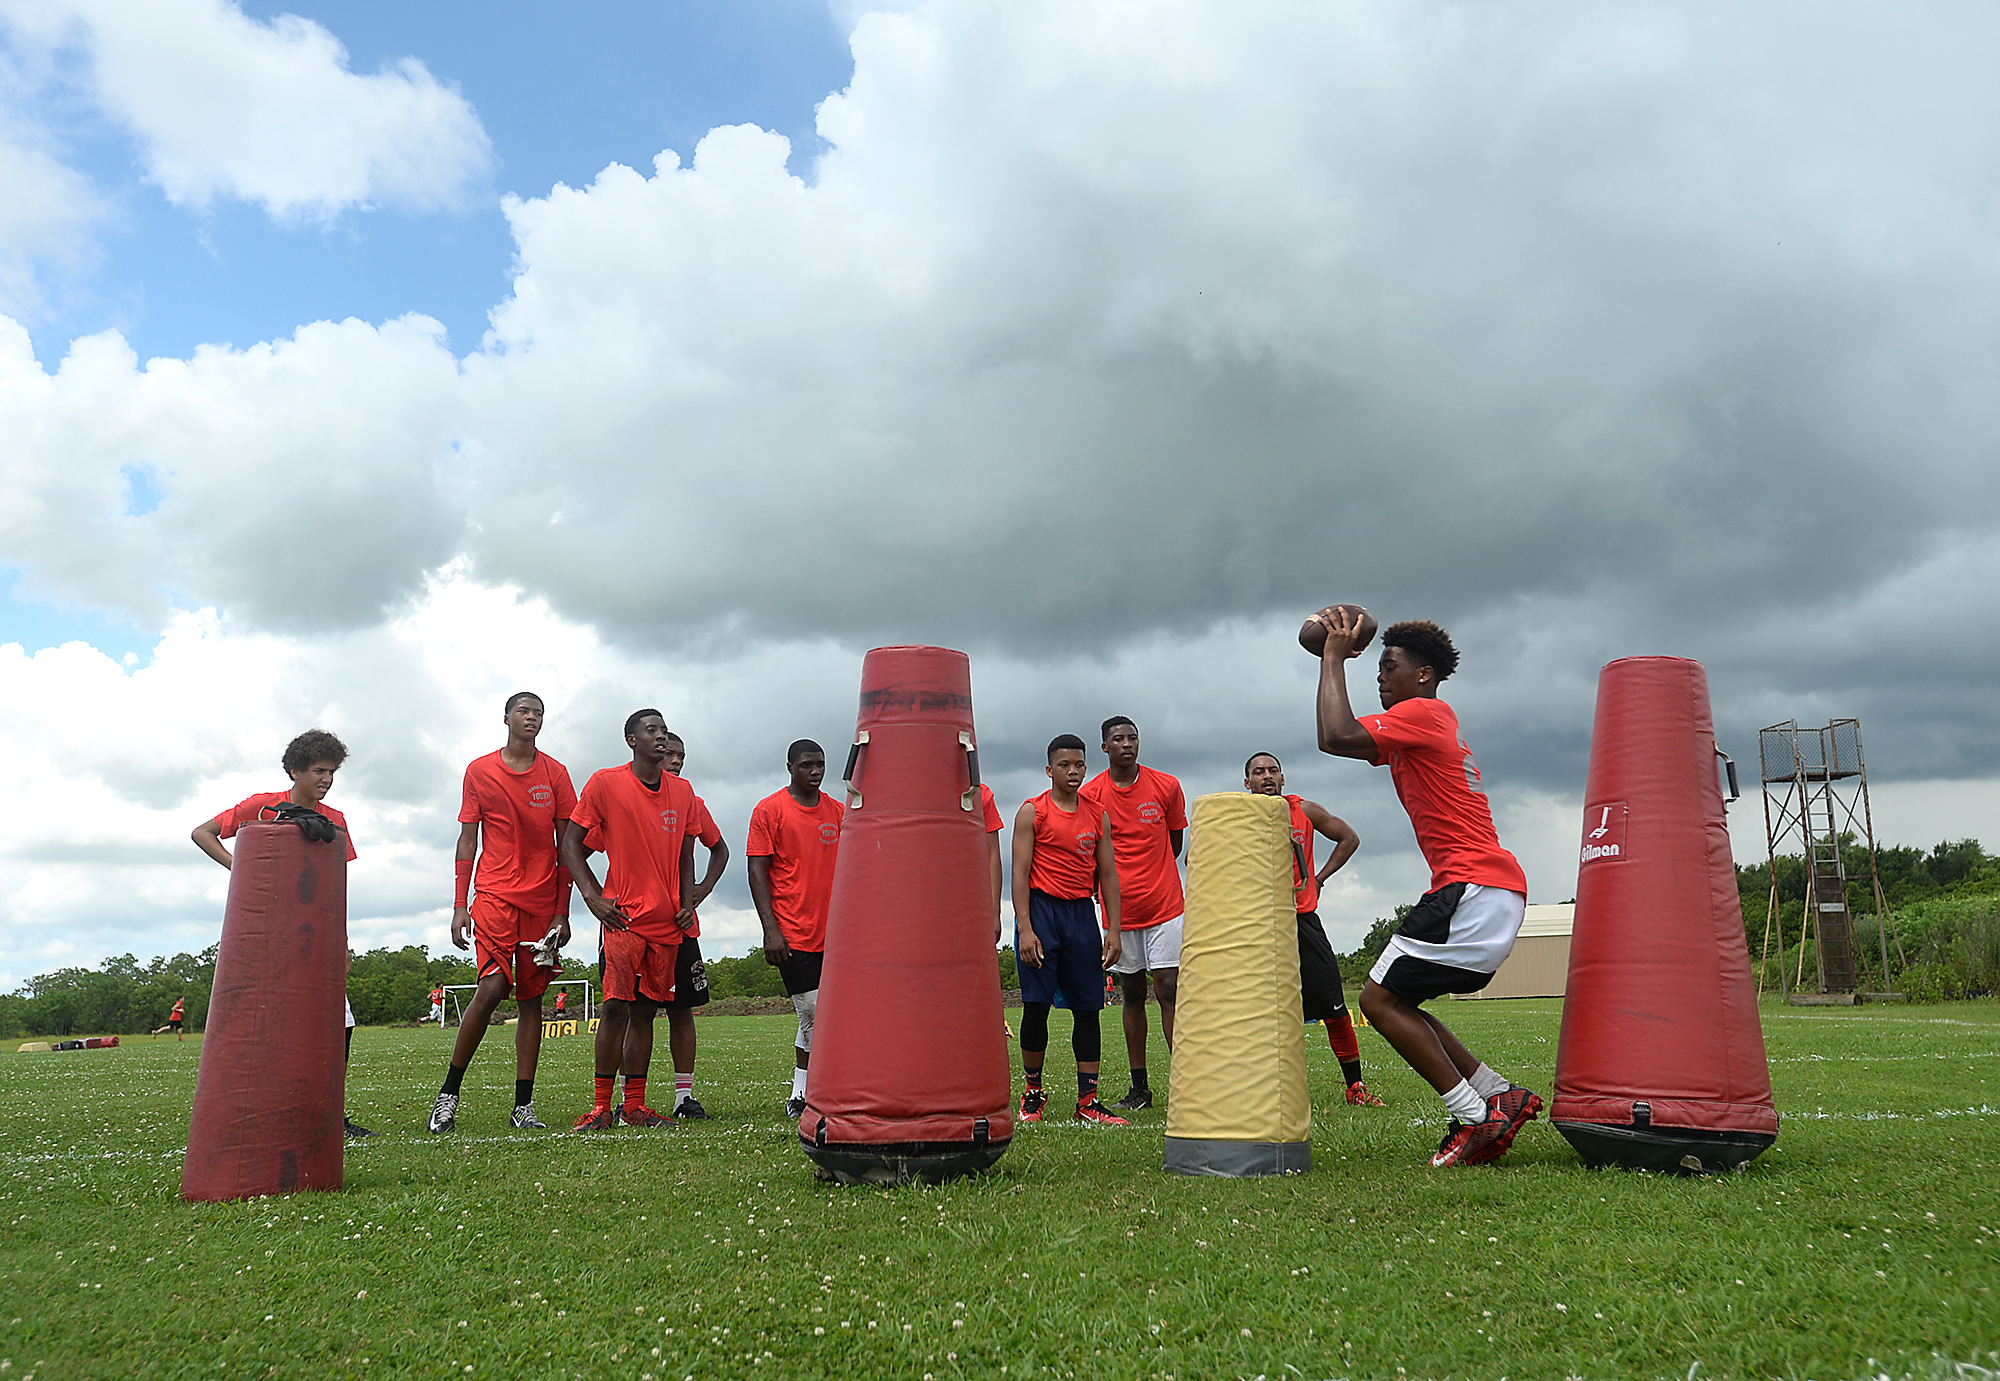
(1884, 1059)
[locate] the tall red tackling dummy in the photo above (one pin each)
(267, 1103)
(1661, 1064)
(910, 1078)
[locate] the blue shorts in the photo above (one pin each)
(1072, 953)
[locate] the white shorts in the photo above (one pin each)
(350, 1010)
(1146, 951)
(1475, 936)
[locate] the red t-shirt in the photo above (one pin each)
(641, 830)
(1065, 863)
(250, 811)
(519, 814)
(708, 836)
(180, 1008)
(1305, 886)
(1440, 787)
(994, 824)
(802, 845)
(1142, 814)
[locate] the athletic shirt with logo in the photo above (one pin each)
(1439, 785)
(1142, 814)
(1305, 884)
(704, 831)
(641, 830)
(518, 815)
(708, 836)
(802, 845)
(1065, 848)
(252, 810)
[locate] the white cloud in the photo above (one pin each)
(1105, 342)
(227, 106)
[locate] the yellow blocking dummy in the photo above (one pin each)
(1237, 1101)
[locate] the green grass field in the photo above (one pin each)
(1864, 1243)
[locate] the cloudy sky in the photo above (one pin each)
(360, 364)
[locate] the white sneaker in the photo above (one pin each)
(545, 951)
(444, 1112)
(524, 1116)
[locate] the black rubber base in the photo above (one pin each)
(1670, 1150)
(905, 1162)
(1234, 1159)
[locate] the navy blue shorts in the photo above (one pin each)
(1072, 953)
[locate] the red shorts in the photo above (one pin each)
(499, 933)
(637, 970)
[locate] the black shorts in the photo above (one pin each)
(175, 1024)
(1319, 972)
(1420, 980)
(690, 978)
(801, 972)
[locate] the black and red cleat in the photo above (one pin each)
(642, 1116)
(1519, 1106)
(1470, 1143)
(1033, 1100)
(597, 1120)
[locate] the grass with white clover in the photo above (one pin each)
(1864, 1242)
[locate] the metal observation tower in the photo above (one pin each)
(1816, 802)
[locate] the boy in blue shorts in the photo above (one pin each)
(1062, 855)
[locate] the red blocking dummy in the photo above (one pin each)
(910, 1078)
(1661, 1063)
(267, 1103)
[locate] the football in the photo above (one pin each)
(1312, 634)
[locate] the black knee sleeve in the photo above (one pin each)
(1087, 1038)
(1034, 1026)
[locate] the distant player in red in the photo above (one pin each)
(1062, 856)
(437, 1005)
(1148, 815)
(514, 804)
(794, 839)
(310, 760)
(643, 815)
(1460, 931)
(177, 1016)
(562, 1005)
(1319, 972)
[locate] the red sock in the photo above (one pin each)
(635, 1093)
(1340, 1035)
(604, 1094)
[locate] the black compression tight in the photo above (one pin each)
(1086, 1038)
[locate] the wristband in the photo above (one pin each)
(463, 884)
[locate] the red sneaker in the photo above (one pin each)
(596, 1120)
(642, 1116)
(1358, 1096)
(1094, 1112)
(1470, 1143)
(1519, 1106)
(1033, 1100)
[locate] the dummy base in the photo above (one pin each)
(1202, 1156)
(932, 1162)
(1670, 1150)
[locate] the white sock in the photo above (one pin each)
(798, 1083)
(1464, 1103)
(683, 1087)
(1487, 1083)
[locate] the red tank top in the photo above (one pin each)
(1305, 885)
(1065, 848)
